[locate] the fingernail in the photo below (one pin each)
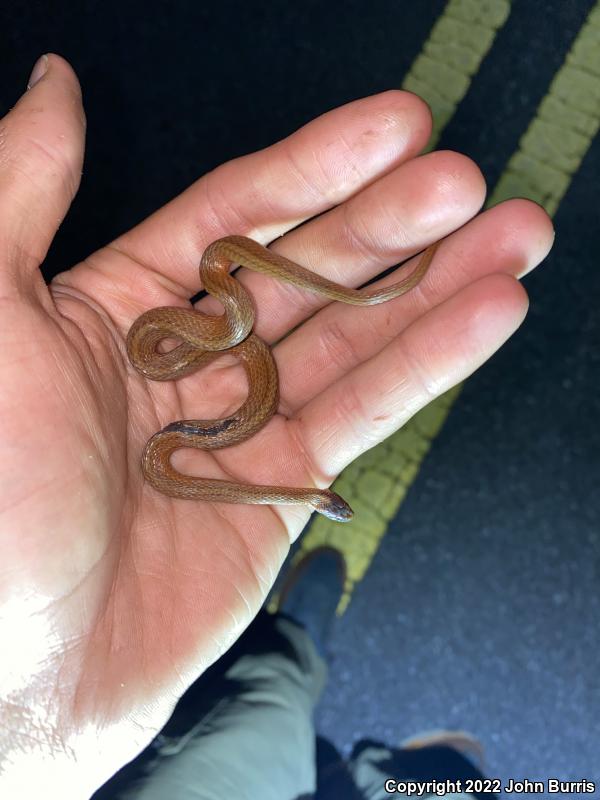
(38, 71)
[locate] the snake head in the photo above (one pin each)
(332, 506)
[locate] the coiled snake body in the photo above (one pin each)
(203, 338)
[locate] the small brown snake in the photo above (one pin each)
(203, 338)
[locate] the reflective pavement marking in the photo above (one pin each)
(549, 153)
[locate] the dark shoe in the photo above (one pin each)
(311, 592)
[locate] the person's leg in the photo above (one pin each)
(245, 729)
(256, 738)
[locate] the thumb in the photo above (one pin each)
(41, 154)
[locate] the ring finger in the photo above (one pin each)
(510, 238)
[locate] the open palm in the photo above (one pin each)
(114, 597)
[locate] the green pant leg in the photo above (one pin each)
(257, 742)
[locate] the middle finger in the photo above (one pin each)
(392, 219)
(512, 238)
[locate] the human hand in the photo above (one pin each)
(115, 598)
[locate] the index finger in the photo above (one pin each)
(267, 193)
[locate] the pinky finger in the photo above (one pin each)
(433, 354)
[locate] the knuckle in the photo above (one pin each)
(424, 386)
(359, 240)
(349, 415)
(338, 345)
(221, 206)
(58, 158)
(36, 147)
(310, 181)
(297, 298)
(308, 461)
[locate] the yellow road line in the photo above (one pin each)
(549, 153)
(377, 482)
(458, 42)
(567, 120)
